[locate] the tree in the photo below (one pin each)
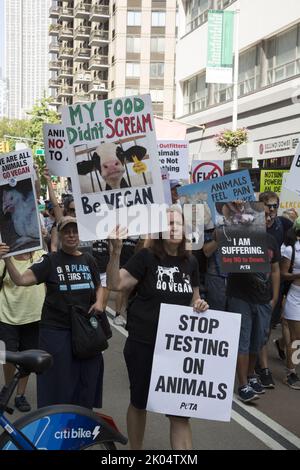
(15, 128)
(39, 115)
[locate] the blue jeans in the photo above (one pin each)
(255, 324)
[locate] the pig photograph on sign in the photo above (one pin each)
(20, 227)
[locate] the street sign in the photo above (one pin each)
(40, 152)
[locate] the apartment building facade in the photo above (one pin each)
(26, 63)
(102, 48)
(269, 80)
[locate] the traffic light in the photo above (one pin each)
(4, 146)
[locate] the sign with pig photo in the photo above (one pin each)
(116, 172)
(19, 217)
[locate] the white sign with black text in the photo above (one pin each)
(194, 363)
(56, 150)
(174, 156)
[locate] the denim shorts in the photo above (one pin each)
(255, 324)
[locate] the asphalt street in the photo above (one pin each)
(272, 422)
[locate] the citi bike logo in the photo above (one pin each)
(79, 433)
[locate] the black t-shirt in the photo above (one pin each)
(128, 249)
(101, 254)
(169, 281)
(255, 288)
(279, 228)
(83, 279)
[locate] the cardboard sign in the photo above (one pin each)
(56, 150)
(242, 238)
(293, 178)
(288, 199)
(194, 363)
(231, 187)
(174, 156)
(116, 172)
(202, 170)
(271, 180)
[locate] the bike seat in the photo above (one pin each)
(32, 360)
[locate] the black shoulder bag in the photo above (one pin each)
(88, 337)
(287, 284)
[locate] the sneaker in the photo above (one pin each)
(255, 383)
(246, 394)
(281, 352)
(293, 381)
(22, 404)
(266, 378)
(119, 320)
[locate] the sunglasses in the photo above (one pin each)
(272, 206)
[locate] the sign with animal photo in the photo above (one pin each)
(174, 156)
(19, 217)
(242, 237)
(194, 363)
(235, 186)
(56, 150)
(116, 171)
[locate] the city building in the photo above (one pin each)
(269, 81)
(104, 49)
(3, 96)
(26, 64)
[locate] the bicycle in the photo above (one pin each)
(57, 427)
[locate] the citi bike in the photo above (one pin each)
(58, 427)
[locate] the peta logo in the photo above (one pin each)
(79, 433)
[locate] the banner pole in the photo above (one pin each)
(234, 156)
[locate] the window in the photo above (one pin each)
(157, 96)
(196, 13)
(133, 18)
(131, 91)
(133, 45)
(249, 72)
(157, 70)
(195, 94)
(282, 54)
(132, 69)
(157, 44)
(158, 18)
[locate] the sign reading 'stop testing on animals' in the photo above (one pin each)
(116, 172)
(194, 363)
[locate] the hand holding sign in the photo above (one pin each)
(200, 305)
(116, 237)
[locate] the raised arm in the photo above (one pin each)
(58, 213)
(118, 279)
(25, 279)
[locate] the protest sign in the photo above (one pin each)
(194, 363)
(242, 238)
(271, 180)
(15, 164)
(19, 218)
(288, 199)
(231, 187)
(166, 186)
(292, 180)
(206, 170)
(114, 141)
(174, 156)
(56, 150)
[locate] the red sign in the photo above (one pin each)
(206, 171)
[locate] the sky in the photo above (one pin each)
(2, 34)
